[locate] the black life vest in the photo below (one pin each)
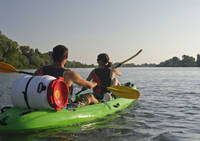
(52, 71)
(103, 79)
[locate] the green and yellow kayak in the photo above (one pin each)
(20, 120)
(15, 119)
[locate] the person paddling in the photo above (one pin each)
(103, 76)
(60, 56)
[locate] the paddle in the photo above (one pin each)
(124, 92)
(80, 91)
(129, 59)
(116, 67)
(7, 68)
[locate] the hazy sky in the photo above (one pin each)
(162, 28)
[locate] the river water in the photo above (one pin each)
(167, 110)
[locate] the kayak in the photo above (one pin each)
(15, 119)
(20, 120)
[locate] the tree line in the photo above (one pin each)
(24, 57)
(186, 61)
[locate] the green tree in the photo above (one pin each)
(37, 52)
(173, 62)
(25, 50)
(198, 60)
(1, 54)
(36, 61)
(24, 62)
(188, 61)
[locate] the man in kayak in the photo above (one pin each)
(60, 56)
(103, 76)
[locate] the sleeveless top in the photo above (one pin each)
(103, 79)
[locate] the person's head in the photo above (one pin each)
(104, 59)
(60, 53)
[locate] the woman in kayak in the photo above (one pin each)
(103, 76)
(60, 56)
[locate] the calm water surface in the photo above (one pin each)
(168, 109)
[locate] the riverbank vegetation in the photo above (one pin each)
(24, 57)
(185, 61)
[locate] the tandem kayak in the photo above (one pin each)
(15, 119)
(20, 120)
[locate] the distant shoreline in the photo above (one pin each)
(23, 57)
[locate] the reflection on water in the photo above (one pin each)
(168, 109)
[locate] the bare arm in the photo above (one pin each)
(115, 71)
(73, 77)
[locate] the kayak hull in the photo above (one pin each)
(17, 120)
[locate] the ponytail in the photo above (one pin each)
(108, 65)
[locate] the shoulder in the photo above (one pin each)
(70, 72)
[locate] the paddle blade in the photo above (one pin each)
(7, 68)
(124, 92)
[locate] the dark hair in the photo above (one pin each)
(59, 53)
(105, 59)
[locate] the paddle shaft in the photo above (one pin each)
(79, 92)
(29, 73)
(7, 68)
(129, 59)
